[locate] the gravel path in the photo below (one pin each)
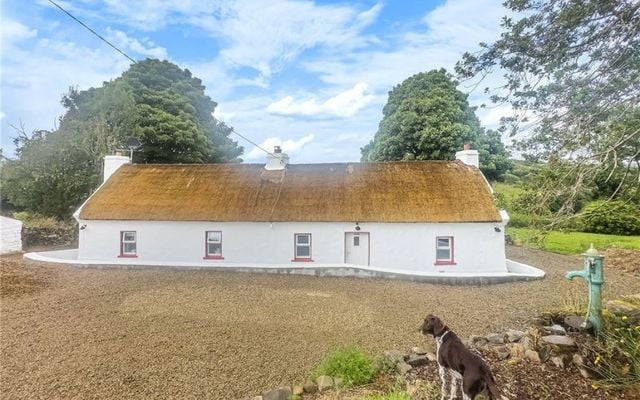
(92, 333)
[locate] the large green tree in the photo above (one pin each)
(572, 75)
(162, 105)
(427, 118)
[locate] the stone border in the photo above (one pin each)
(521, 272)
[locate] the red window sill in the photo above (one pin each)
(302, 260)
(213, 258)
(128, 256)
(444, 263)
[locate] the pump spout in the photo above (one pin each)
(580, 274)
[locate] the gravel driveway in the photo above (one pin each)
(106, 333)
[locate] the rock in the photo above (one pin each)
(431, 357)
(310, 387)
(516, 350)
(298, 390)
(502, 352)
(416, 361)
(555, 329)
(584, 372)
(577, 360)
(403, 368)
(337, 382)
(528, 343)
(558, 361)
(514, 336)
(257, 398)
(576, 322)
(282, 393)
(545, 353)
(324, 383)
(626, 309)
(558, 340)
(532, 355)
(478, 340)
(394, 356)
(496, 338)
(419, 350)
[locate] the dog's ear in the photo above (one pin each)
(438, 326)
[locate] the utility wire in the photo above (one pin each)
(92, 31)
(252, 142)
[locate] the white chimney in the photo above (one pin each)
(112, 163)
(468, 156)
(277, 160)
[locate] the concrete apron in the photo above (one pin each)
(517, 272)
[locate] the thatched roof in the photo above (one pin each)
(420, 191)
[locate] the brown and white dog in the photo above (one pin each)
(459, 362)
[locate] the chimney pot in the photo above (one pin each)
(277, 149)
(466, 146)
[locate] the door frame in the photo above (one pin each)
(368, 244)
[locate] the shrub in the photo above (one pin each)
(611, 217)
(520, 220)
(34, 220)
(511, 179)
(351, 364)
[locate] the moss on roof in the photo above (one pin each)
(420, 191)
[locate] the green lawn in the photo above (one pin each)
(510, 192)
(572, 242)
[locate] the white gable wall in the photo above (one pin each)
(408, 246)
(11, 232)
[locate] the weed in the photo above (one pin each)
(351, 364)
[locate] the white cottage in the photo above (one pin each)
(415, 217)
(11, 230)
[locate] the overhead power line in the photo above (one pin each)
(252, 142)
(92, 31)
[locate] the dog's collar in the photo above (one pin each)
(443, 332)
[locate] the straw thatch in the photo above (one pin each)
(428, 191)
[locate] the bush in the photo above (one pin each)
(520, 220)
(511, 179)
(34, 220)
(351, 364)
(611, 217)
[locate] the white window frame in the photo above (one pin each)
(123, 242)
(207, 242)
(449, 247)
(296, 245)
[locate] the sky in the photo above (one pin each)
(310, 76)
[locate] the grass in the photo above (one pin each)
(388, 396)
(351, 364)
(508, 191)
(571, 242)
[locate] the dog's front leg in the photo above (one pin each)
(443, 388)
(455, 380)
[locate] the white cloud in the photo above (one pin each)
(345, 104)
(288, 146)
(14, 31)
(146, 48)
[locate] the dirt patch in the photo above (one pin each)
(18, 278)
(136, 334)
(627, 260)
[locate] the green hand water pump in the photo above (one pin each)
(593, 275)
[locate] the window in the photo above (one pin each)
(444, 250)
(356, 240)
(302, 247)
(128, 245)
(213, 244)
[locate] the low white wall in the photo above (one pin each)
(11, 232)
(407, 246)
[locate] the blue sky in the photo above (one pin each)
(311, 76)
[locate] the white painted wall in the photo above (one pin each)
(409, 246)
(11, 232)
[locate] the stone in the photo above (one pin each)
(555, 329)
(584, 372)
(403, 368)
(626, 309)
(514, 336)
(419, 351)
(324, 383)
(337, 382)
(577, 360)
(502, 352)
(496, 338)
(431, 357)
(558, 361)
(576, 322)
(416, 360)
(394, 356)
(528, 343)
(257, 398)
(545, 353)
(558, 340)
(310, 387)
(298, 390)
(478, 340)
(282, 393)
(532, 355)
(516, 350)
